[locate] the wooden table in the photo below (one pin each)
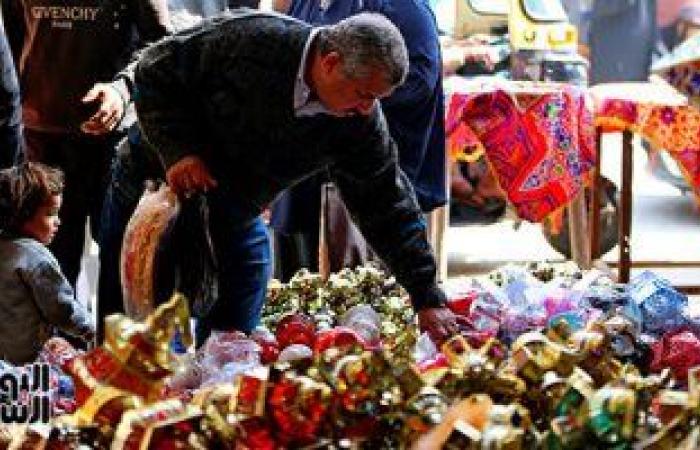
(527, 92)
(628, 108)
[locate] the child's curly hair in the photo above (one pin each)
(23, 189)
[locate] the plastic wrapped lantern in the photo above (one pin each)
(167, 248)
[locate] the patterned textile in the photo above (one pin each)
(541, 146)
(685, 78)
(681, 68)
(672, 128)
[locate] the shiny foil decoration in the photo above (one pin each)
(678, 350)
(298, 406)
(296, 329)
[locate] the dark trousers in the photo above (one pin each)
(293, 252)
(346, 247)
(10, 145)
(131, 167)
(84, 161)
(10, 110)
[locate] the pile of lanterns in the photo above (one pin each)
(552, 359)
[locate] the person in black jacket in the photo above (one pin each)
(134, 163)
(415, 118)
(10, 112)
(67, 54)
(248, 104)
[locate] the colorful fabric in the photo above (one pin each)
(541, 147)
(685, 78)
(681, 68)
(672, 128)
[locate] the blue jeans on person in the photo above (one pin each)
(241, 245)
(242, 249)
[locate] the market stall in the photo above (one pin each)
(542, 146)
(538, 139)
(552, 358)
(663, 118)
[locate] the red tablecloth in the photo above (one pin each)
(539, 138)
(675, 129)
(540, 144)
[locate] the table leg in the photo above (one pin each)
(578, 233)
(438, 221)
(625, 210)
(594, 207)
(324, 264)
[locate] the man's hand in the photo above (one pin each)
(189, 175)
(439, 323)
(110, 110)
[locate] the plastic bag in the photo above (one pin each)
(365, 321)
(154, 213)
(661, 305)
(167, 248)
(223, 356)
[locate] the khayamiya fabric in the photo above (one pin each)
(672, 128)
(686, 78)
(541, 146)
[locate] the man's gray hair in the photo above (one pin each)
(366, 42)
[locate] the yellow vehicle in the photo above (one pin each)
(541, 25)
(541, 45)
(542, 42)
(479, 17)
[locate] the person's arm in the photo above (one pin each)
(152, 22)
(15, 28)
(383, 203)
(419, 31)
(167, 113)
(169, 79)
(56, 301)
(10, 108)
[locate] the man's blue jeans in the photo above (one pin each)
(242, 248)
(241, 245)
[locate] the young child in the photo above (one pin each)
(35, 297)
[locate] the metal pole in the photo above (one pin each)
(594, 211)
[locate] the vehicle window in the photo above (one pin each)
(544, 10)
(499, 7)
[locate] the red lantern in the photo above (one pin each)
(296, 329)
(339, 337)
(270, 350)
